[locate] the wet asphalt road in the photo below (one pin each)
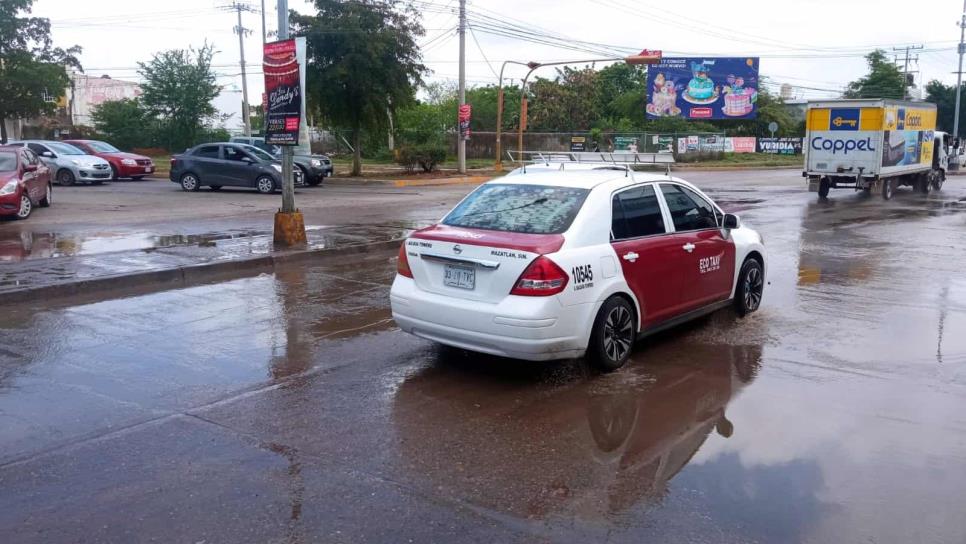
(288, 408)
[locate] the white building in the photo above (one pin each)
(86, 92)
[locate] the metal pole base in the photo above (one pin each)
(289, 229)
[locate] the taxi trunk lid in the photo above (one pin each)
(474, 264)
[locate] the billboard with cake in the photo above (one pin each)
(703, 88)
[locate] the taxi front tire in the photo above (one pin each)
(751, 286)
(612, 338)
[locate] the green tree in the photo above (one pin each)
(371, 66)
(179, 86)
(257, 118)
(944, 97)
(30, 66)
(884, 79)
(124, 122)
(569, 102)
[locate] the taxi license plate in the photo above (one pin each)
(462, 277)
(147, 169)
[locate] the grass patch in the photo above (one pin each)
(752, 159)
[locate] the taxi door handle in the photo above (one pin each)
(689, 247)
(631, 256)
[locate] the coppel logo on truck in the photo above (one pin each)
(820, 143)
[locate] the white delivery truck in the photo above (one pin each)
(873, 145)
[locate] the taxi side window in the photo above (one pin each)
(636, 213)
(688, 210)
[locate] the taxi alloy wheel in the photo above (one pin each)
(613, 336)
(26, 206)
(751, 286)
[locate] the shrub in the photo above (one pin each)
(426, 156)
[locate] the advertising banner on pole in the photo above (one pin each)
(283, 85)
(465, 114)
(703, 88)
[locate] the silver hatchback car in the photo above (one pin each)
(67, 163)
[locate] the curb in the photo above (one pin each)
(187, 276)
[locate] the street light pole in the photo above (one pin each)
(959, 73)
(645, 57)
(498, 166)
(288, 183)
(289, 222)
(242, 32)
(460, 139)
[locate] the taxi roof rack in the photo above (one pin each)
(623, 160)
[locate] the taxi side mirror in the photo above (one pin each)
(30, 168)
(731, 221)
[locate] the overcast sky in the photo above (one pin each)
(814, 45)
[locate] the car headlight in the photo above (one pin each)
(9, 188)
(316, 163)
(129, 162)
(277, 167)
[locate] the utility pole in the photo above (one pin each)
(288, 182)
(242, 32)
(959, 73)
(263, 23)
(905, 66)
(461, 141)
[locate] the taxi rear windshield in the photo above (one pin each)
(536, 209)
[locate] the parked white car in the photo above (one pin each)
(69, 164)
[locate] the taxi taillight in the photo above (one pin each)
(541, 279)
(402, 264)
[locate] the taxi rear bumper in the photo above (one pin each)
(529, 328)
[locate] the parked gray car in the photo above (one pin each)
(68, 164)
(313, 167)
(218, 165)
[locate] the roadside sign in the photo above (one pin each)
(465, 114)
(773, 128)
(283, 85)
(578, 143)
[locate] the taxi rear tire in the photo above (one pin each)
(612, 338)
(751, 286)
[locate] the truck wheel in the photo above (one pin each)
(937, 180)
(612, 338)
(888, 187)
(823, 186)
(925, 184)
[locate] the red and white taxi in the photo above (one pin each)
(558, 264)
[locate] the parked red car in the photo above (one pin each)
(124, 165)
(24, 182)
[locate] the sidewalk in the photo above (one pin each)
(180, 265)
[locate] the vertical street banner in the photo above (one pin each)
(703, 88)
(283, 85)
(465, 114)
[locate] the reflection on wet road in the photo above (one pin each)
(288, 408)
